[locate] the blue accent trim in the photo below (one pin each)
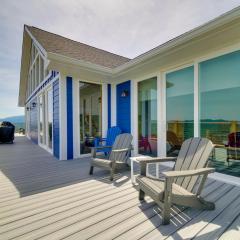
(109, 105)
(69, 118)
(43, 85)
(124, 107)
(56, 132)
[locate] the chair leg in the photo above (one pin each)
(91, 170)
(111, 175)
(141, 195)
(206, 205)
(166, 213)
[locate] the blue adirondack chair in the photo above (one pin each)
(112, 133)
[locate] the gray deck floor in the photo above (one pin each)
(43, 198)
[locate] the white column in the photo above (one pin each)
(104, 109)
(161, 114)
(76, 119)
(196, 100)
(63, 117)
(134, 116)
(113, 105)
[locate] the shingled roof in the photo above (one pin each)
(57, 44)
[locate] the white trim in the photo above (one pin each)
(134, 116)
(145, 77)
(218, 53)
(159, 114)
(104, 109)
(178, 68)
(76, 119)
(196, 101)
(38, 45)
(43, 82)
(62, 118)
(162, 138)
(113, 105)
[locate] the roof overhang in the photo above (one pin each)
(201, 30)
(58, 62)
(28, 38)
(25, 61)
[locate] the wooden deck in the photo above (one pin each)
(43, 198)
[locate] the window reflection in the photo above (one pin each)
(50, 117)
(180, 108)
(147, 116)
(219, 105)
(41, 119)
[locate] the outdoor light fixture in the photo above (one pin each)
(34, 104)
(124, 93)
(27, 108)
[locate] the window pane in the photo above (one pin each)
(147, 116)
(180, 108)
(220, 115)
(50, 117)
(41, 119)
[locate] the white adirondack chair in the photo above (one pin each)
(179, 184)
(118, 156)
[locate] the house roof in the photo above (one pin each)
(54, 43)
(57, 47)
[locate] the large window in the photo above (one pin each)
(179, 108)
(147, 116)
(220, 110)
(36, 70)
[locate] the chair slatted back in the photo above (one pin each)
(122, 141)
(194, 154)
(112, 133)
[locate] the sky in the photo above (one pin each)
(125, 27)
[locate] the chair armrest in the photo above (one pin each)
(94, 150)
(101, 147)
(157, 160)
(121, 150)
(186, 173)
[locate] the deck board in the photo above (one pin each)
(44, 198)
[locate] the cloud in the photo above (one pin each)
(125, 27)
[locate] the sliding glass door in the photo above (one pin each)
(147, 117)
(179, 108)
(45, 101)
(219, 85)
(90, 115)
